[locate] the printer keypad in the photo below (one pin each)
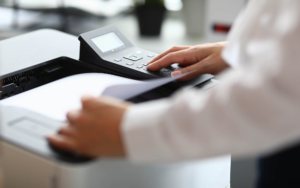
(133, 57)
(140, 63)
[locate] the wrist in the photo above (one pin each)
(123, 110)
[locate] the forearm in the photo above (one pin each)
(237, 117)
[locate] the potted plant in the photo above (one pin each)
(150, 15)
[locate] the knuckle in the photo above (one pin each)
(195, 48)
(175, 47)
(206, 44)
(171, 55)
(63, 130)
(87, 101)
(82, 120)
(169, 59)
(205, 63)
(188, 69)
(70, 144)
(72, 115)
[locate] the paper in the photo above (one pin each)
(127, 91)
(55, 99)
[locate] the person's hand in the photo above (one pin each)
(200, 59)
(94, 130)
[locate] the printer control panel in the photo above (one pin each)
(109, 48)
(138, 60)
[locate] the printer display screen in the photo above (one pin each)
(108, 42)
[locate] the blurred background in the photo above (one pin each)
(155, 25)
(180, 22)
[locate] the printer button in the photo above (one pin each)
(165, 70)
(133, 57)
(129, 63)
(117, 60)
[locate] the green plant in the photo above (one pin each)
(150, 3)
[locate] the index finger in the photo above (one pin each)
(79, 118)
(173, 49)
(171, 58)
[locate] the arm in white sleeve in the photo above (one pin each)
(255, 110)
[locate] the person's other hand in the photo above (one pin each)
(200, 59)
(94, 130)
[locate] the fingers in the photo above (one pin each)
(90, 105)
(68, 143)
(171, 58)
(93, 131)
(62, 142)
(71, 138)
(81, 117)
(173, 49)
(68, 130)
(89, 102)
(184, 64)
(195, 70)
(183, 57)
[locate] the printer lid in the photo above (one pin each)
(35, 47)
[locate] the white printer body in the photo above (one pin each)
(28, 161)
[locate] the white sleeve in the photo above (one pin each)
(254, 110)
(238, 117)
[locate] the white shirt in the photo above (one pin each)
(255, 110)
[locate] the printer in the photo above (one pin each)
(27, 160)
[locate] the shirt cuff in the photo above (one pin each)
(144, 142)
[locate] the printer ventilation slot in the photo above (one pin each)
(29, 79)
(17, 78)
(18, 83)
